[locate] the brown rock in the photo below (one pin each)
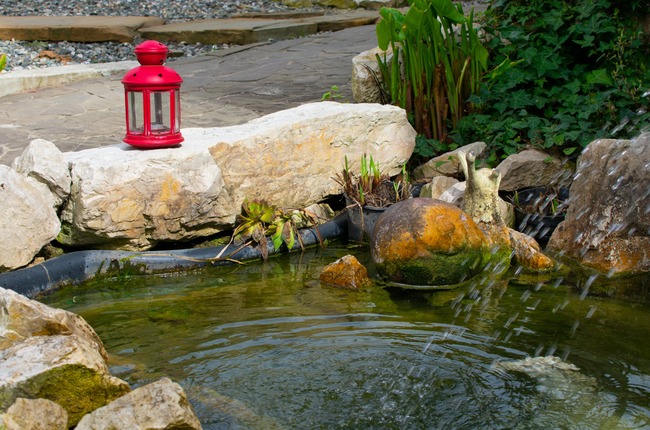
(607, 223)
(533, 168)
(346, 272)
(424, 241)
(528, 253)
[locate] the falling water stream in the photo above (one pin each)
(266, 346)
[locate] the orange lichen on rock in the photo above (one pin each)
(346, 272)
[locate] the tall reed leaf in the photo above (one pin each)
(438, 61)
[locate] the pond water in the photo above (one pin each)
(265, 346)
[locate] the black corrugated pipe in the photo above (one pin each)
(80, 266)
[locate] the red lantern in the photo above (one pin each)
(152, 98)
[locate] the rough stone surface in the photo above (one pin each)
(74, 28)
(65, 369)
(607, 225)
(21, 318)
(34, 414)
(424, 241)
(447, 164)
(346, 272)
(438, 185)
(366, 76)
(131, 199)
(533, 168)
(43, 162)
(27, 219)
(528, 253)
(161, 405)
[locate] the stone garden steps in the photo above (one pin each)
(239, 31)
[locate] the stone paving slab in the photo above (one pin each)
(243, 31)
(75, 28)
(228, 87)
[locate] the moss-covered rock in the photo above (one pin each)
(428, 242)
(64, 369)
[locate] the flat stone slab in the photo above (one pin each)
(75, 28)
(244, 31)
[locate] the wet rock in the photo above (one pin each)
(161, 405)
(67, 370)
(43, 162)
(22, 318)
(34, 414)
(447, 164)
(528, 253)
(424, 241)
(533, 168)
(27, 219)
(607, 225)
(346, 272)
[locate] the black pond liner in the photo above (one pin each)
(538, 225)
(77, 267)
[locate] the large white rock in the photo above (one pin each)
(43, 162)
(131, 199)
(27, 219)
(67, 370)
(22, 318)
(533, 168)
(34, 414)
(161, 405)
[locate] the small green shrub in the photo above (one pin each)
(3, 61)
(582, 72)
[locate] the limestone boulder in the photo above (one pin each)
(126, 198)
(22, 318)
(27, 219)
(534, 168)
(436, 186)
(424, 241)
(346, 272)
(43, 162)
(366, 76)
(161, 405)
(34, 414)
(67, 370)
(447, 164)
(607, 225)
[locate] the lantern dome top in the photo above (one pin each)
(151, 53)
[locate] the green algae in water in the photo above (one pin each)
(278, 350)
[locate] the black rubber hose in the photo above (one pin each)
(80, 266)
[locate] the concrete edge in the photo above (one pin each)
(17, 81)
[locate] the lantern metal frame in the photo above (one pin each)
(152, 100)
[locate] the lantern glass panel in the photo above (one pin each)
(177, 111)
(160, 110)
(136, 112)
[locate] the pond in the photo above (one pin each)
(265, 346)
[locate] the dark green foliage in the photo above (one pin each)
(563, 74)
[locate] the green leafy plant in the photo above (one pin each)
(572, 71)
(3, 61)
(438, 61)
(372, 187)
(333, 94)
(260, 221)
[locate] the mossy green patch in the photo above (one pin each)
(78, 389)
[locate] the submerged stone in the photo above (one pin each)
(346, 272)
(424, 241)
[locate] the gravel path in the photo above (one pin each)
(30, 55)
